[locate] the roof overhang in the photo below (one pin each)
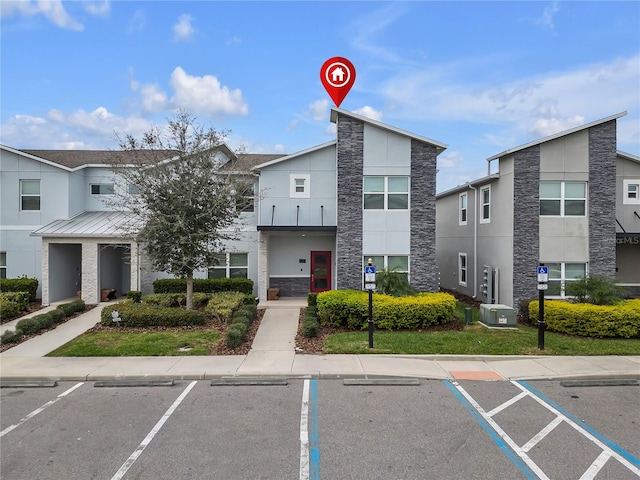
(92, 225)
(294, 228)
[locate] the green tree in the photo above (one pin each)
(392, 282)
(596, 289)
(186, 205)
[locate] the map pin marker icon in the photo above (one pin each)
(337, 75)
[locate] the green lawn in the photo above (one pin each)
(477, 340)
(116, 343)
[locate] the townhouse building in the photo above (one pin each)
(569, 201)
(316, 217)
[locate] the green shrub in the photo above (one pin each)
(22, 284)
(198, 300)
(250, 310)
(312, 299)
(241, 318)
(311, 311)
(72, 307)
(236, 335)
(586, 320)
(394, 283)
(310, 327)
(45, 320)
(134, 295)
(350, 308)
(29, 326)
(145, 315)
(204, 285)
(250, 300)
(57, 315)
(8, 308)
(11, 336)
(596, 289)
(223, 304)
(523, 310)
(21, 298)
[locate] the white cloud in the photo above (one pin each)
(97, 9)
(319, 110)
(369, 112)
(331, 129)
(234, 40)
(205, 95)
(546, 20)
(183, 30)
(52, 10)
(548, 126)
(449, 159)
(137, 21)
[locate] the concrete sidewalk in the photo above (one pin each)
(273, 355)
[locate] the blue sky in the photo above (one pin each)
(478, 76)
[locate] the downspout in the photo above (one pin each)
(475, 241)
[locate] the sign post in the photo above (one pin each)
(370, 285)
(543, 278)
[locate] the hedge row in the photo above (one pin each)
(22, 284)
(12, 303)
(208, 285)
(350, 308)
(176, 299)
(242, 319)
(586, 320)
(147, 315)
(43, 321)
(223, 304)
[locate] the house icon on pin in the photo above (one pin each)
(338, 75)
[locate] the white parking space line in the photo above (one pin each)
(38, 410)
(596, 466)
(506, 404)
(304, 433)
(138, 451)
(543, 433)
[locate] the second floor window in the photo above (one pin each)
(3, 264)
(30, 195)
(563, 199)
(485, 204)
(631, 194)
(386, 193)
(462, 210)
(245, 203)
(102, 189)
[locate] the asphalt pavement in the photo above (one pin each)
(273, 354)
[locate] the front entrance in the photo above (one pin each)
(320, 271)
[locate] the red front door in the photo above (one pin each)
(320, 271)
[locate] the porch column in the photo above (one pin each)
(44, 253)
(90, 273)
(263, 265)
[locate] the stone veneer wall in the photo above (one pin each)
(526, 222)
(602, 199)
(350, 158)
(291, 286)
(423, 216)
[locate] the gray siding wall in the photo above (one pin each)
(423, 216)
(350, 154)
(526, 218)
(602, 200)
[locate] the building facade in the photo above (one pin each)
(317, 216)
(568, 201)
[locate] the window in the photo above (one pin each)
(245, 202)
(485, 204)
(102, 189)
(562, 273)
(462, 269)
(230, 265)
(299, 185)
(30, 195)
(396, 263)
(462, 204)
(631, 192)
(133, 189)
(563, 199)
(3, 264)
(386, 193)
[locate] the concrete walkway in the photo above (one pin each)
(273, 355)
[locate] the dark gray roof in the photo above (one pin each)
(91, 224)
(78, 158)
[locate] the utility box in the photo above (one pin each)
(497, 315)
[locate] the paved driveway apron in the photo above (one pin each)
(310, 429)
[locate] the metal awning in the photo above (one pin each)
(92, 224)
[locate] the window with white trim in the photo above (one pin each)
(462, 269)
(562, 273)
(631, 192)
(299, 185)
(3, 264)
(563, 199)
(462, 209)
(246, 201)
(396, 263)
(102, 189)
(485, 204)
(30, 195)
(230, 265)
(385, 193)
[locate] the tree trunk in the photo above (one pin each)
(190, 291)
